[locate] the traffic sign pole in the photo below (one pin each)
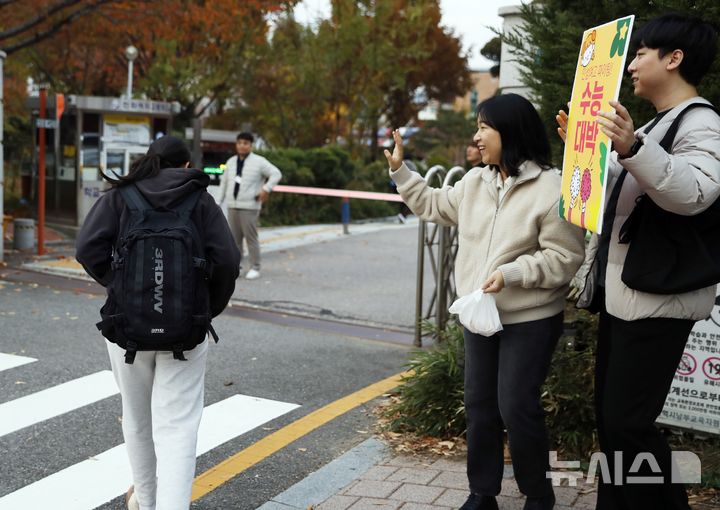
(41, 174)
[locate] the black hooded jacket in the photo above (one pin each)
(103, 223)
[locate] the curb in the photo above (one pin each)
(331, 478)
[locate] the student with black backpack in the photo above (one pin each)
(162, 247)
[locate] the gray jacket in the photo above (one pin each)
(257, 173)
(684, 182)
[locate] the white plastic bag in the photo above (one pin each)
(478, 313)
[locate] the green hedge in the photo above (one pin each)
(326, 167)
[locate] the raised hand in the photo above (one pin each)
(562, 119)
(396, 158)
(618, 126)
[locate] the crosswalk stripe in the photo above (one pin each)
(93, 482)
(11, 361)
(60, 399)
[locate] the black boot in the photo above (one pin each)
(479, 502)
(544, 503)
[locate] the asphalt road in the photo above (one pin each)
(367, 277)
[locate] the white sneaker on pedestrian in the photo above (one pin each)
(253, 274)
(131, 499)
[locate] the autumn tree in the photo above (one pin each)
(407, 59)
(284, 93)
(27, 22)
(371, 60)
(192, 52)
(207, 64)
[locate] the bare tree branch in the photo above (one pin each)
(38, 19)
(39, 36)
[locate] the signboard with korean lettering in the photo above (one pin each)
(694, 398)
(599, 71)
(127, 129)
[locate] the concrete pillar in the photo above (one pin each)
(510, 77)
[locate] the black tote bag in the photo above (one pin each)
(670, 253)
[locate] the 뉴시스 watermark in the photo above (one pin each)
(686, 468)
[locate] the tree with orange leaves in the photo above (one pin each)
(28, 22)
(190, 51)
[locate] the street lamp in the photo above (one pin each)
(131, 53)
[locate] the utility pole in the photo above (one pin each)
(2, 160)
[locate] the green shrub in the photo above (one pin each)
(568, 392)
(372, 177)
(430, 401)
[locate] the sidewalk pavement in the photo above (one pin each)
(371, 476)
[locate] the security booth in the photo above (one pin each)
(92, 134)
(212, 149)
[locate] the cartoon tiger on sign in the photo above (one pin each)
(587, 51)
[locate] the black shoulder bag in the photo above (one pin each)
(670, 253)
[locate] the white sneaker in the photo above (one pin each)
(253, 274)
(131, 499)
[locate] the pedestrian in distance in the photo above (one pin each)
(473, 157)
(514, 244)
(161, 246)
(245, 185)
(642, 333)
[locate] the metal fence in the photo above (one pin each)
(438, 246)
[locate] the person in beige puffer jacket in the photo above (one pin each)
(512, 242)
(642, 336)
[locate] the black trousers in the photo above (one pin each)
(636, 361)
(503, 378)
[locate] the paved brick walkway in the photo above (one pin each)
(414, 483)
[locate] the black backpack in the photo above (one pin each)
(158, 298)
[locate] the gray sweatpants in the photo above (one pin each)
(243, 225)
(162, 403)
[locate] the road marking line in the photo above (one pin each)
(244, 459)
(93, 482)
(11, 361)
(60, 399)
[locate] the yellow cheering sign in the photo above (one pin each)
(600, 67)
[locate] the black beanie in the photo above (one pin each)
(171, 150)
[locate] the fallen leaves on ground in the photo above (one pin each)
(412, 443)
(703, 498)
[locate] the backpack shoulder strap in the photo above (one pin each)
(134, 199)
(184, 209)
(669, 138)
